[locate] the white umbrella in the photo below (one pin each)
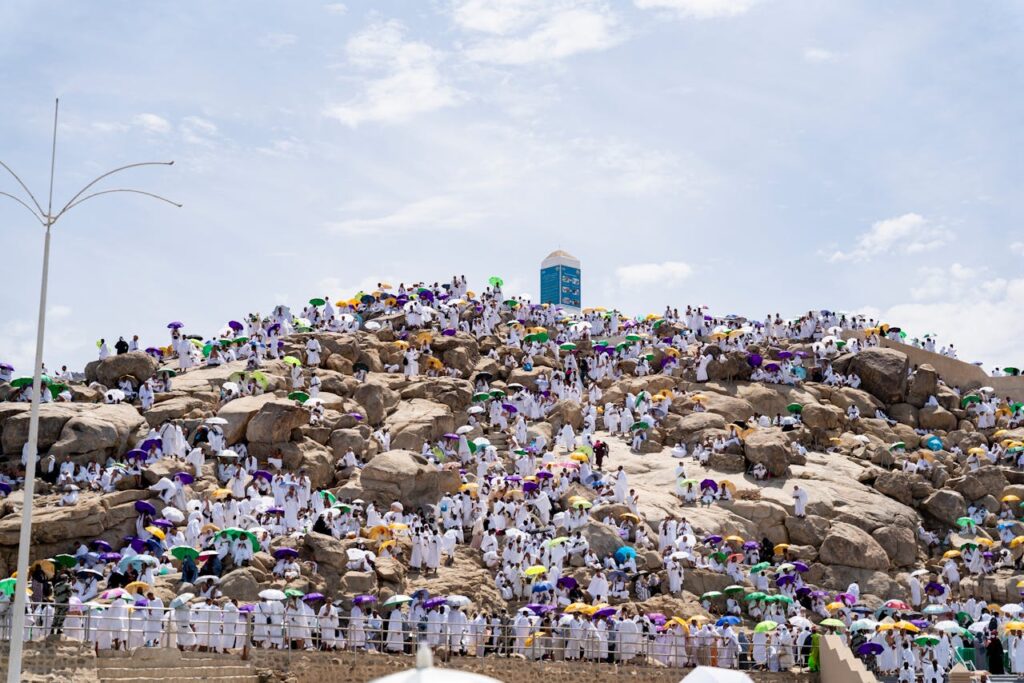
(464, 429)
(181, 600)
(172, 514)
(711, 674)
(864, 625)
(216, 421)
(397, 600)
(475, 410)
(313, 402)
(920, 572)
(948, 626)
(458, 600)
(227, 453)
(1012, 608)
(208, 578)
(373, 325)
(482, 442)
(355, 554)
(230, 387)
(272, 594)
(801, 622)
(979, 626)
(115, 395)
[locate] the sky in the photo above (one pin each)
(756, 156)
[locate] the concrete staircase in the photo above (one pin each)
(160, 664)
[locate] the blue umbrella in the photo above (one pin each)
(542, 586)
(624, 553)
(730, 620)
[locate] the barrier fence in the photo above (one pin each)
(207, 630)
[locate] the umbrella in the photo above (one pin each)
(285, 552)
(864, 625)
(541, 587)
(728, 620)
(495, 281)
(182, 551)
(396, 600)
(364, 599)
(624, 553)
(182, 599)
(711, 595)
(765, 627)
(928, 641)
(709, 484)
(833, 623)
(145, 507)
(175, 325)
(870, 649)
(800, 622)
(300, 396)
(272, 594)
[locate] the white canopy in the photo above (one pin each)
(710, 674)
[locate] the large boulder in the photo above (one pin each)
(242, 584)
(375, 399)
(106, 430)
(810, 530)
(693, 428)
(822, 416)
(899, 543)
(896, 485)
(419, 420)
(136, 364)
(275, 420)
(851, 546)
(936, 418)
(769, 447)
(173, 409)
(987, 481)
(945, 505)
(603, 539)
(883, 373)
(239, 412)
(923, 384)
(406, 477)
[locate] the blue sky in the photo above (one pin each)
(753, 155)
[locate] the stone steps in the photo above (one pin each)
(192, 667)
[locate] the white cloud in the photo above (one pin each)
(629, 169)
(197, 131)
(910, 233)
(817, 55)
(275, 41)
(984, 318)
(663, 274)
(1017, 248)
(58, 311)
(432, 213)
(699, 9)
(410, 82)
(152, 123)
(528, 31)
(338, 8)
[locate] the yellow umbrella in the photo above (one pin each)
(1017, 540)
(217, 494)
(1014, 626)
(47, 566)
(977, 450)
(950, 554)
(987, 542)
(424, 337)
(208, 528)
(733, 539)
(472, 487)
(729, 485)
(390, 543)
(378, 530)
(576, 607)
(156, 531)
(834, 605)
(135, 585)
(398, 526)
(535, 570)
(401, 344)
(907, 626)
(630, 516)
(781, 548)
(434, 363)
(699, 617)
(1010, 498)
(579, 457)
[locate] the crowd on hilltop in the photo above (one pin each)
(525, 502)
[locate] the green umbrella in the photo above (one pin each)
(718, 555)
(293, 593)
(291, 360)
(481, 396)
(794, 408)
(342, 507)
(973, 398)
(540, 337)
(260, 378)
(965, 522)
(396, 600)
(167, 371)
(55, 389)
(711, 595)
(183, 551)
(622, 346)
(568, 346)
(497, 393)
(65, 561)
(207, 348)
(316, 302)
(756, 595)
(760, 567)
(329, 497)
(298, 396)
(659, 322)
(733, 589)
(639, 424)
(784, 599)
(601, 342)
(927, 641)
(834, 623)
(765, 627)
(511, 303)
(27, 382)
(897, 444)
(7, 586)
(633, 337)
(495, 281)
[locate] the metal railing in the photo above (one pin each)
(286, 633)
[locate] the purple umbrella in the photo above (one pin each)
(934, 588)
(657, 618)
(452, 437)
(803, 590)
(450, 332)
(544, 474)
(509, 407)
(145, 507)
(784, 355)
(713, 539)
(818, 594)
(755, 360)
(364, 599)
(356, 416)
(276, 511)
(274, 328)
(513, 478)
(6, 366)
(784, 579)
(262, 474)
(530, 486)
(176, 325)
(153, 351)
(285, 552)
(162, 523)
(605, 612)
(110, 557)
(312, 597)
(136, 453)
(709, 484)
(150, 443)
(247, 608)
(870, 649)
(100, 544)
(920, 623)
(235, 325)
(751, 545)
(426, 295)
(539, 609)
(435, 602)
(800, 566)
(567, 582)
(5, 488)
(184, 477)
(772, 367)
(142, 602)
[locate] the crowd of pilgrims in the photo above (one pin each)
(508, 507)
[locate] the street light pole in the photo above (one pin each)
(47, 219)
